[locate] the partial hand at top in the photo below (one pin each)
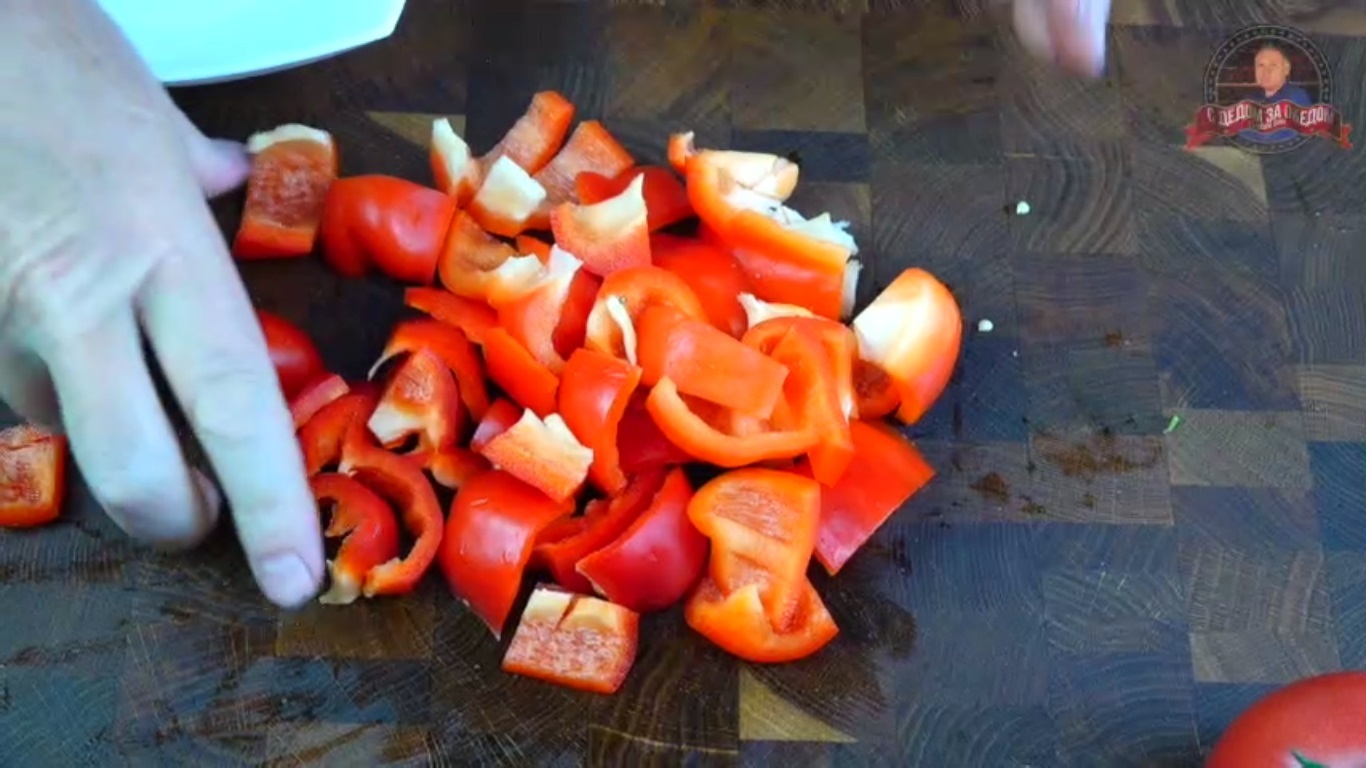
(1070, 33)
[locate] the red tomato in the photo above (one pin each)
(1319, 722)
(297, 361)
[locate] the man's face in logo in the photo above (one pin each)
(1273, 69)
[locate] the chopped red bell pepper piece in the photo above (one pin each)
(533, 317)
(368, 528)
(292, 167)
(517, 373)
(543, 454)
(641, 446)
(537, 135)
(789, 266)
(472, 317)
(296, 359)
(680, 151)
(499, 419)
(398, 481)
(666, 200)
(913, 331)
(595, 390)
(722, 184)
(704, 442)
(562, 556)
(507, 200)
(762, 524)
(655, 561)
(561, 529)
(470, 258)
(575, 641)
(315, 396)
(572, 331)
(454, 466)
(321, 437)
(454, 169)
(886, 471)
(386, 222)
(451, 346)
(875, 394)
(705, 362)
(757, 310)
(626, 294)
(712, 274)
(736, 623)
(590, 148)
(533, 246)
(422, 400)
(32, 476)
(607, 236)
(493, 523)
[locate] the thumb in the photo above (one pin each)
(218, 165)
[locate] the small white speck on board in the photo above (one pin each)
(1022, 208)
(985, 326)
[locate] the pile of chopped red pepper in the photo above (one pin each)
(584, 330)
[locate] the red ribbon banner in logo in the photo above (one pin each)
(1317, 120)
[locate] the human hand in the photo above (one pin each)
(103, 233)
(1070, 33)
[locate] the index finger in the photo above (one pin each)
(200, 322)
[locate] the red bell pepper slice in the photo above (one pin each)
(451, 346)
(508, 199)
(680, 150)
(534, 317)
(595, 390)
(292, 167)
(788, 266)
(624, 295)
(543, 454)
(666, 200)
(736, 623)
(454, 169)
(762, 524)
(490, 531)
(454, 466)
(499, 419)
(367, 527)
(722, 184)
(707, 363)
(655, 561)
(472, 317)
(562, 556)
(712, 274)
(315, 396)
(572, 331)
(607, 236)
(641, 445)
(886, 471)
(321, 437)
(875, 394)
(537, 135)
(296, 359)
(572, 640)
(533, 246)
(590, 148)
(386, 222)
(704, 442)
(757, 310)
(422, 400)
(32, 476)
(398, 481)
(913, 331)
(470, 258)
(517, 373)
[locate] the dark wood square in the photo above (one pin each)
(1339, 494)
(669, 63)
(1080, 204)
(1161, 74)
(823, 156)
(1347, 578)
(986, 401)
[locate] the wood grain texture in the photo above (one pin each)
(1148, 503)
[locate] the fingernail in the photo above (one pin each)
(286, 580)
(210, 500)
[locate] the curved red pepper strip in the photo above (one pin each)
(399, 481)
(693, 434)
(595, 390)
(369, 529)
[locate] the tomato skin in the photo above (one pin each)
(296, 359)
(1316, 721)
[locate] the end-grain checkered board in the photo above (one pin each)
(1081, 585)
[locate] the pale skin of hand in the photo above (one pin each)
(105, 237)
